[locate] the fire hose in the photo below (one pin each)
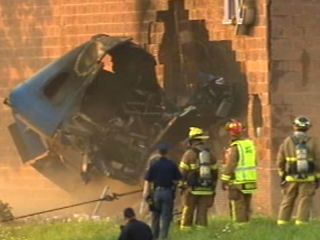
(108, 198)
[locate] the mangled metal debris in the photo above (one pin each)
(5, 212)
(74, 116)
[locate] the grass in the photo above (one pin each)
(88, 230)
(258, 229)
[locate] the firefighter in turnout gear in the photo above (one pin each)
(299, 170)
(199, 171)
(239, 174)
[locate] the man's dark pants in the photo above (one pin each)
(162, 216)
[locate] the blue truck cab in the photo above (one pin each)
(75, 121)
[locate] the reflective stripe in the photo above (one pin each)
(184, 166)
(311, 178)
(282, 222)
(291, 159)
(183, 218)
(202, 193)
(214, 166)
(194, 166)
(225, 177)
(248, 191)
(294, 159)
(187, 167)
(318, 175)
(246, 187)
(245, 169)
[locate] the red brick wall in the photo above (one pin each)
(295, 48)
(29, 39)
(35, 32)
(251, 56)
(32, 34)
(244, 61)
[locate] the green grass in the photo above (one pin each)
(88, 230)
(258, 229)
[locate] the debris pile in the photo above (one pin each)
(5, 212)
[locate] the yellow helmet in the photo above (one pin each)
(197, 133)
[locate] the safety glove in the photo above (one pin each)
(182, 185)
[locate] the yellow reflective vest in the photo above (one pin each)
(245, 174)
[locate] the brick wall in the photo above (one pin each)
(32, 34)
(246, 58)
(242, 60)
(35, 32)
(29, 39)
(295, 48)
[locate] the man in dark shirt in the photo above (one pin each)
(160, 182)
(134, 229)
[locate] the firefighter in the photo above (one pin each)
(199, 173)
(239, 174)
(299, 170)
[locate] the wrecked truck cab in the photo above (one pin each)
(55, 110)
(76, 121)
(46, 99)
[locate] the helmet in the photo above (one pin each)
(197, 133)
(234, 127)
(301, 123)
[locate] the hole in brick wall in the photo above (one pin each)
(187, 54)
(257, 119)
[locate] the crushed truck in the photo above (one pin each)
(75, 120)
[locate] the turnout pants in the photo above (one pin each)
(195, 203)
(292, 192)
(240, 204)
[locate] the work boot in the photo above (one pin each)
(300, 223)
(282, 222)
